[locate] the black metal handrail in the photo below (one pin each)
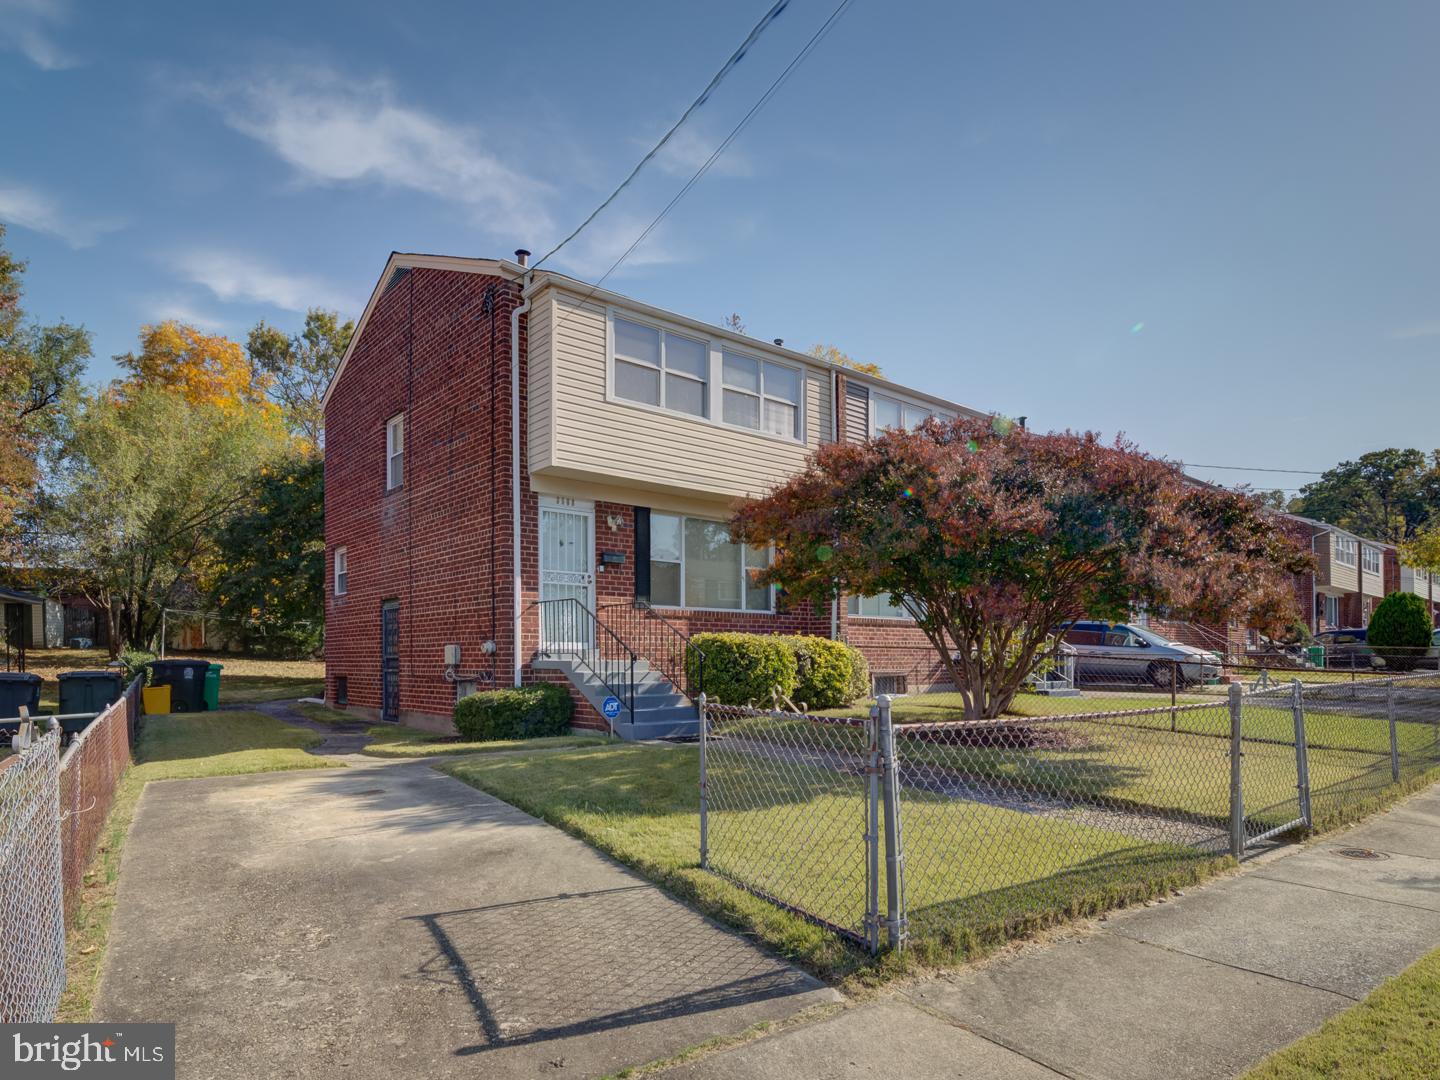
(661, 643)
(570, 629)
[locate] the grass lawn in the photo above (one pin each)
(399, 741)
(639, 805)
(1394, 1034)
(178, 747)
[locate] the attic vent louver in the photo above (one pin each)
(400, 274)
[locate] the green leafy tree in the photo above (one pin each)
(1422, 550)
(992, 536)
(1385, 494)
(833, 355)
(300, 367)
(1400, 630)
(270, 560)
(145, 483)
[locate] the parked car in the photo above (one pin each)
(1346, 648)
(1125, 653)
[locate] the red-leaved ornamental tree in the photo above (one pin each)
(992, 536)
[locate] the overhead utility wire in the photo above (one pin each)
(725, 69)
(1254, 468)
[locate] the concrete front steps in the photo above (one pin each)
(661, 710)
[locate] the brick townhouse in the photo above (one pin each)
(1352, 575)
(527, 478)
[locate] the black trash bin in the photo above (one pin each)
(86, 692)
(18, 688)
(186, 679)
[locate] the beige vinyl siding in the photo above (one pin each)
(1415, 581)
(540, 382)
(1344, 575)
(632, 445)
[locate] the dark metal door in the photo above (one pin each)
(390, 661)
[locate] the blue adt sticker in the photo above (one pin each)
(611, 708)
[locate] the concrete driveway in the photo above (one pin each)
(389, 921)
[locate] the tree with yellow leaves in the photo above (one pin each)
(833, 355)
(204, 369)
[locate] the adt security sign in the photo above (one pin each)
(611, 708)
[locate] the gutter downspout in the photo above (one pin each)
(834, 437)
(515, 467)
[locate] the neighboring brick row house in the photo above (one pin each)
(485, 411)
(1351, 576)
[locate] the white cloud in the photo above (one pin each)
(165, 308)
(1420, 330)
(689, 149)
(595, 250)
(27, 27)
(232, 276)
(333, 130)
(36, 210)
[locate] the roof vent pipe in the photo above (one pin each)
(522, 257)
(780, 342)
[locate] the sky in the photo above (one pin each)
(1210, 227)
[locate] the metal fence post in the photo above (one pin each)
(1302, 751)
(894, 855)
(1394, 742)
(704, 785)
(1174, 689)
(1237, 800)
(872, 832)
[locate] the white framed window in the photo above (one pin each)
(660, 368)
(875, 607)
(1332, 611)
(342, 572)
(695, 564)
(394, 452)
(1345, 551)
(1370, 557)
(889, 413)
(760, 394)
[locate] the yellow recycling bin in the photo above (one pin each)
(156, 700)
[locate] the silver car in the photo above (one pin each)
(1124, 653)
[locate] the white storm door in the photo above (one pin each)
(567, 573)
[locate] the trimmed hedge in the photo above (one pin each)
(743, 669)
(747, 669)
(526, 712)
(137, 662)
(1400, 629)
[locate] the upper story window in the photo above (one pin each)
(876, 607)
(760, 394)
(1371, 558)
(1345, 551)
(894, 414)
(395, 452)
(656, 367)
(694, 564)
(342, 572)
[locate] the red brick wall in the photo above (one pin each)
(439, 544)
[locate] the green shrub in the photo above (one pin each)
(526, 712)
(1400, 630)
(743, 669)
(827, 675)
(135, 660)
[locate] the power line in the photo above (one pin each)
(764, 98)
(719, 76)
(1254, 468)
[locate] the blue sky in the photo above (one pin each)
(1212, 227)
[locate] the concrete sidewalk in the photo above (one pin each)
(1201, 987)
(387, 921)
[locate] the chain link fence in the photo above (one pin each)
(52, 814)
(957, 831)
(32, 916)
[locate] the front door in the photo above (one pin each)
(390, 661)
(567, 578)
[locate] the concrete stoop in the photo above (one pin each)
(661, 710)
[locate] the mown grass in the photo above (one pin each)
(1394, 1034)
(398, 741)
(178, 747)
(639, 804)
(245, 679)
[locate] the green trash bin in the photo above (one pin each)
(212, 686)
(1317, 655)
(86, 692)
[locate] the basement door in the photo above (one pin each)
(567, 579)
(390, 661)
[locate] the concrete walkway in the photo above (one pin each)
(1201, 987)
(386, 921)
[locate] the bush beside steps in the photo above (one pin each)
(750, 669)
(526, 712)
